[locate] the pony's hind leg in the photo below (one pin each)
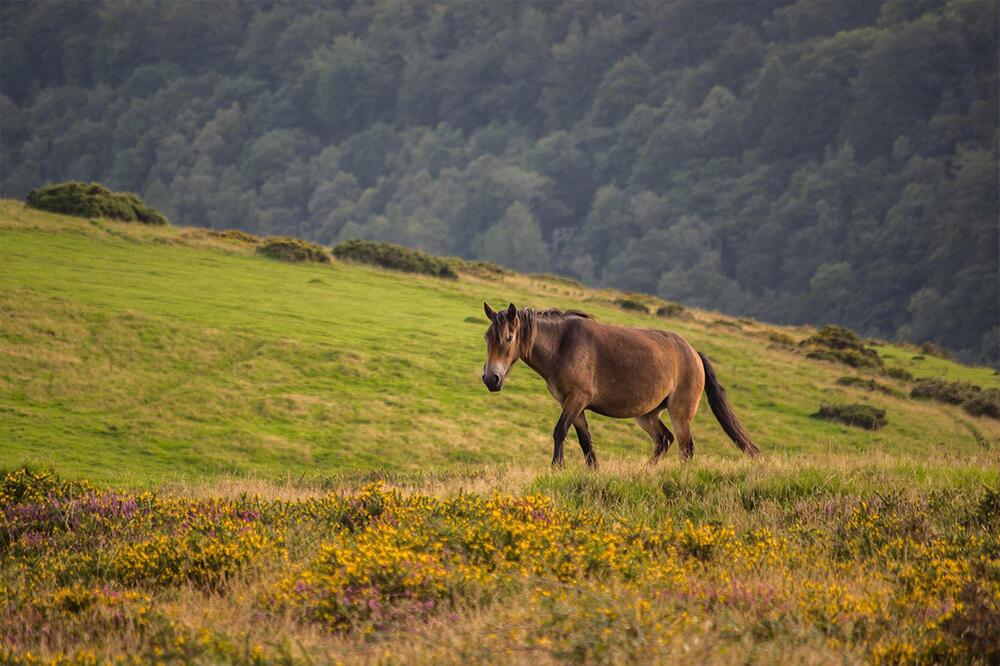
(681, 415)
(659, 433)
(682, 424)
(683, 406)
(586, 444)
(685, 442)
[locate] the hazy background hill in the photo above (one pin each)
(820, 162)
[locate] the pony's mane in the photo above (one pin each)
(528, 319)
(528, 323)
(560, 314)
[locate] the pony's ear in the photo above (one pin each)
(490, 312)
(511, 312)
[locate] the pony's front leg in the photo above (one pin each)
(572, 407)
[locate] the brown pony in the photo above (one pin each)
(611, 370)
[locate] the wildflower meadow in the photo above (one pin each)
(536, 568)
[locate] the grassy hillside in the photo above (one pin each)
(298, 464)
(135, 354)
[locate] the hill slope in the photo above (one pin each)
(242, 391)
(140, 354)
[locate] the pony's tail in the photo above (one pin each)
(724, 413)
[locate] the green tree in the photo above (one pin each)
(624, 86)
(516, 241)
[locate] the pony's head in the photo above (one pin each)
(502, 345)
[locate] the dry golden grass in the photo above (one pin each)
(827, 558)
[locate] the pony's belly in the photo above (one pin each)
(628, 407)
(632, 394)
(614, 413)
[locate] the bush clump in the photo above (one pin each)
(390, 255)
(898, 373)
(841, 345)
(293, 249)
(781, 339)
(857, 415)
(974, 399)
(235, 235)
(866, 384)
(670, 310)
(557, 279)
(984, 403)
(858, 382)
(931, 349)
(93, 200)
(632, 304)
(481, 269)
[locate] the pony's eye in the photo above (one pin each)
(510, 338)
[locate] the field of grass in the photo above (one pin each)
(146, 354)
(299, 464)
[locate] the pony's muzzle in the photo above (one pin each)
(493, 381)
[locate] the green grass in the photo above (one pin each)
(142, 355)
(923, 365)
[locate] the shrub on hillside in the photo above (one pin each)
(866, 384)
(835, 337)
(235, 235)
(985, 403)
(953, 393)
(558, 279)
(850, 357)
(974, 399)
(898, 373)
(93, 200)
(857, 415)
(293, 249)
(629, 303)
(931, 349)
(390, 255)
(858, 382)
(482, 269)
(670, 310)
(841, 345)
(781, 339)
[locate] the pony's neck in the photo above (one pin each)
(544, 336)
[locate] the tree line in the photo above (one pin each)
(793, 161)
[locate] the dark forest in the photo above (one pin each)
(794, 161)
